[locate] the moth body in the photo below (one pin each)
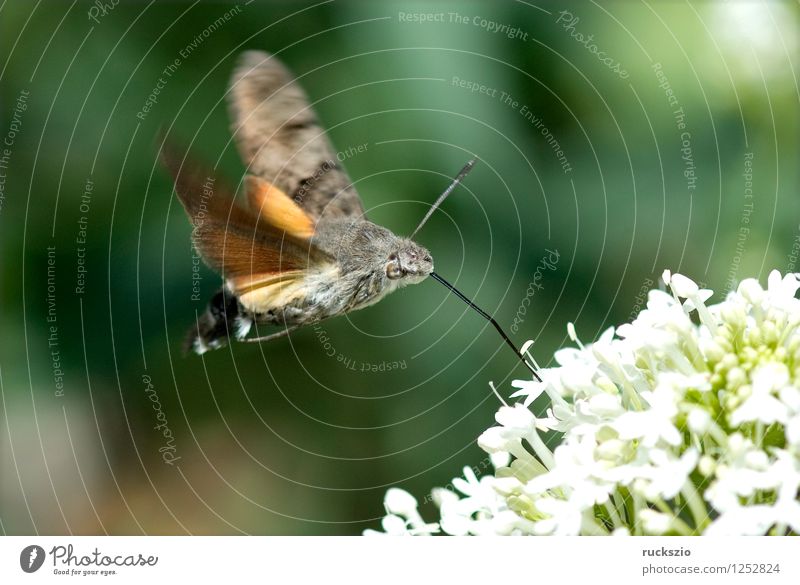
(302, 250)
(368, 263)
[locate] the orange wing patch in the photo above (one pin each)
(265, 252)
(277, 208)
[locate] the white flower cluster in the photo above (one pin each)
(666, 427)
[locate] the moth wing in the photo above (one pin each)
(281, 140)
(249, 250)
(275, 207)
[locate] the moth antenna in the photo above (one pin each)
(463, 173)
(490, 319)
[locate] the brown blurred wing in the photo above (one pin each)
(247, 249)
(282, 141)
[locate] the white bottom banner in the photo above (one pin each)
(389, 560)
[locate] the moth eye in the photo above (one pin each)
(392, 257)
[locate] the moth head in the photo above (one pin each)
(408, 260)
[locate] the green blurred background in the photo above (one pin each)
(292, 437)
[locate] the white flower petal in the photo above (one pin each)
(398, 501)
(655, 522)
(683, 287)
(394, 525)
(648, 409)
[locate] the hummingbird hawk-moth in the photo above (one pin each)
(302, 250)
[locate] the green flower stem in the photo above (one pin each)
(696, 506)
(612, 513)
(681, 527)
